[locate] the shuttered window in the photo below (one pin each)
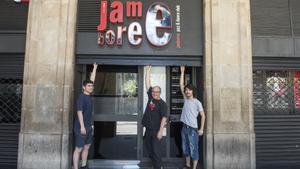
(276, 101)
(11, 83)
(10, 116)
(88, 17)
(275, 17)
(295, 11)
(270, 17)
(13, 17)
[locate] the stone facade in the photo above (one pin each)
(44, 140)
(230, 139)
(45, 137)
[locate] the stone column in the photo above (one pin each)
(45, 137)
(230, 139)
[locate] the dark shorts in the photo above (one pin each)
(81, 140)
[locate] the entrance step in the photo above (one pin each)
(127, 164)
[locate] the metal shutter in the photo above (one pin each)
(295, 11)
(11, 66)
(276, 63)
(9, 145)
(13, 19)
(88, 15)
(11, 77)
(13, 16)
(277, 141)
(270, 18)
(277, 128)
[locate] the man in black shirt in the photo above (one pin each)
(154, 119)
(83, 128)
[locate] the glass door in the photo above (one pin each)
(116, 112)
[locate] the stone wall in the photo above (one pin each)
(44, 140)
(230, 137)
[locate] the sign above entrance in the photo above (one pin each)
(147, 29)
(158, 17)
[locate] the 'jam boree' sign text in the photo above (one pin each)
(158, 23)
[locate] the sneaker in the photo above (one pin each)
(85, 167)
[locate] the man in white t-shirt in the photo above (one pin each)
(190, 133)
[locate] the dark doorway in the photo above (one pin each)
(193, 75)
(118, 110)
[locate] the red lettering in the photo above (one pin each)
(103, 19)
(134, 9)
(116, 15)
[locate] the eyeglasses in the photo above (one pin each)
(155, 91)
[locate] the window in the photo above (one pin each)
(276, 92)
(10, 100)
(116, 90)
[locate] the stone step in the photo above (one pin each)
(128, 164)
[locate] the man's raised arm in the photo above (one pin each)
(181, 82)
(148, 83)
(93, 74)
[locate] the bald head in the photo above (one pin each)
(156, 90)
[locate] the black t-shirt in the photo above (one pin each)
(155, 111)
(84, 104)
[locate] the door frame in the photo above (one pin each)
(81, 74)
(197, 78)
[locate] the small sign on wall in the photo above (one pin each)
(297, 89)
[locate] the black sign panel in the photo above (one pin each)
(185, 32)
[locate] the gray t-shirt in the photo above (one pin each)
(190, 112)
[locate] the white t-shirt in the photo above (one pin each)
(190, 112)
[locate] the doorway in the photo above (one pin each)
(119, 103)
(116, 113)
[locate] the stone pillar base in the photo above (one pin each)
(230, 151)
(46, 151)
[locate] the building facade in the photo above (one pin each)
(242, 55)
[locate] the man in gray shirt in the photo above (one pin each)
(190, 133)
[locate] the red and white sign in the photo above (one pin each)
(157, 28)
